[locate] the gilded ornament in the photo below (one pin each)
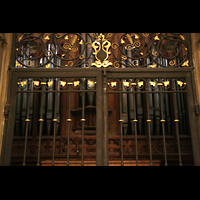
(153, 66)
(129, 47)
(63, 83)
(186, 63)
(166, 83)
(180, 83)
(154, 53)
(47, 66)
(81, 57)
(172, 62)
(122, 41)
(18, 64)
(135, 63)
(87, 64)
(113, 84)
(145, 34)
(19, 39)
(88, 45)
(109, 35)
(58, 35)
(126, 85)
(71, 46)
(30, 63)
(47, 38)
(66, 46)
(136, 37)
(156, 38)
(36, 83)
(124, 57)
(23, 83)
(70, 63)
(182, 37)
(74, 49)
(48, 53)
(74, 40)
(130, 38)
(137, 44)
(153, 83)
(50, 83)
(93, 35)
(140, 83)
(114, 45)
(116, 64)
(170, 46)
(101, 47)
(91, 83)
(133, 83)
(63, 55)
(76, 83)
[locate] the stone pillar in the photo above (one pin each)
(6, 44)
(195, 43)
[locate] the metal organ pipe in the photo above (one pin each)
(124, 104)
(130, 96)
(84, 35)
(132, 110)
(90, 95)
(156, 102)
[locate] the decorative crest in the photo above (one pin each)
(101, 47)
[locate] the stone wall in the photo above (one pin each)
(195, 40)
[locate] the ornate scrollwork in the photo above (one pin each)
(56, 49)
(152, 49)
(67, 50)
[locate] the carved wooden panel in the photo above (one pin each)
(90, 148)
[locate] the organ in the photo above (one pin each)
(142, 110)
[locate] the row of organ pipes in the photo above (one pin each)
(28, 103)
(154, 104)
(25, 101)
(132, 104)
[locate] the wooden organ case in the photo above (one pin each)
(101, 99)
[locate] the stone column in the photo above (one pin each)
(6, 45)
